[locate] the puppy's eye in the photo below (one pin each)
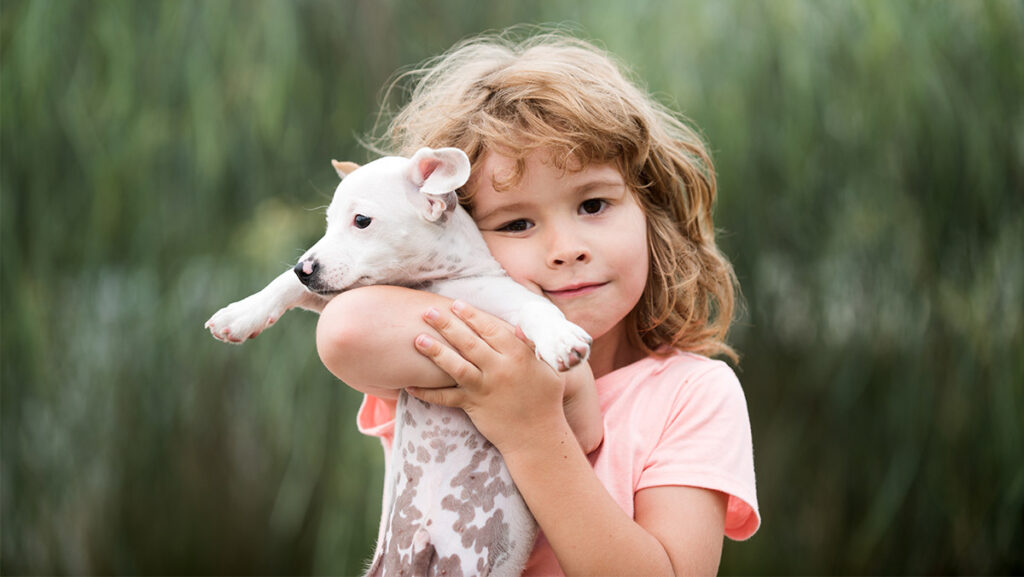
(362, 221)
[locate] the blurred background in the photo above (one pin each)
(163, 158)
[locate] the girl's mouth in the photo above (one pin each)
(574, 290)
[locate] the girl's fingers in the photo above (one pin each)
(446, 397)
(449, 361)
(490, 328)
(522, 336)
(472, 333)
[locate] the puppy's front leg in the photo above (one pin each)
(558, 342)
(247, 318)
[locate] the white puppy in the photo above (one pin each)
(449, 502)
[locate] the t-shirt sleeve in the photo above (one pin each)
(376, 418)
(707, 443)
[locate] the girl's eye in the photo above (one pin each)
(592, 206)
(520, 225)
(362, 221)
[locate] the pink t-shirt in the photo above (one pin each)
(676, 420)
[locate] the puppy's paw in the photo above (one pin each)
(562, 345)
(556, 341)
(242, 320)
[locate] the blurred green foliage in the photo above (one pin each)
(160, 159)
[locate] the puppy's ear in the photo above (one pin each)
(439, 171)
(344, 168)
(438, 174)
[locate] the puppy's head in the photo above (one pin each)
(384, 218)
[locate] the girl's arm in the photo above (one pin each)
(365, 338)
(677, 530)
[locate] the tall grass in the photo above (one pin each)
(161, 159)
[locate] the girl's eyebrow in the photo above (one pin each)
(599, 182)
(511, 207)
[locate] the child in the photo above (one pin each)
(590, 193)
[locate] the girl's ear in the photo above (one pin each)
(438, 174)
(344, 168)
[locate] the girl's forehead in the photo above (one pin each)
(504, 170)
(499, 180)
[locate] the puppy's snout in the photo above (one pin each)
(305, 270)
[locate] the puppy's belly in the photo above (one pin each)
(453, 484)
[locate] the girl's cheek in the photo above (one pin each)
(522, 277)
(496, 246)
(519, 261)
(509, 258)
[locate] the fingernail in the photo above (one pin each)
(424, 341)
(431, 314)
(458, 306)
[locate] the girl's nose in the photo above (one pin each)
(566, 249)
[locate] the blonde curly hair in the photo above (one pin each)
(562, 94)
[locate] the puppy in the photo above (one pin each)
(450, 506)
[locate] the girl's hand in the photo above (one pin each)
(514, 399)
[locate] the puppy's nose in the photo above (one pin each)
(305, 270)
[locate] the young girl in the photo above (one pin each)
(589, 193)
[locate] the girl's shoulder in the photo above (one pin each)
(670, 365)
(676, 362)
(671, 377)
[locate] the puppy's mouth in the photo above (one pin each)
(326, 293)
(332, 291)
(315, 284)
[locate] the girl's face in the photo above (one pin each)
(578, 238)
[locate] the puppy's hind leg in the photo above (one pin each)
(244, 319)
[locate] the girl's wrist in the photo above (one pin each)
(539, 441)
